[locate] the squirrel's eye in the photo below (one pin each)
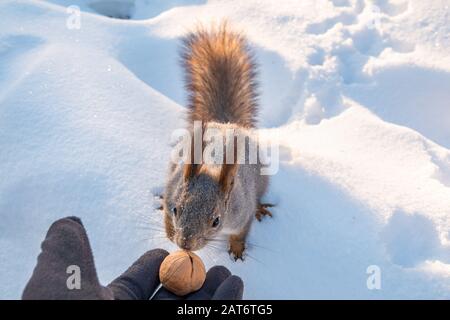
(216, 222)
(174, 211)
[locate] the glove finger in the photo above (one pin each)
(66, 245)
(141, 279)
(214, 278)
(231, 289)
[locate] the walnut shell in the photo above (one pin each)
(182, 272)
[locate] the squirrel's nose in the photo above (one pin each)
(185, 244)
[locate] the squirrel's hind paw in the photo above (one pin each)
(236, 249)
(262, 211)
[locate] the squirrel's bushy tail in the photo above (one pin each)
(220, 76)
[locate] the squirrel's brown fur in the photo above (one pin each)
(220, 77)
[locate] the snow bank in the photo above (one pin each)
(355, 91)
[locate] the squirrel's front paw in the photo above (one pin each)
(237, 248)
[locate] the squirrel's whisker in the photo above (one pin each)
(214, 247)
(148, 224)
(154, 238)
(149, 228)
(208, 255)
(252, 244)
(150, 219)
(252, 257)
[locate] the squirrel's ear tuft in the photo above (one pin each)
(228, 171)
(227, 175)
(190, 170)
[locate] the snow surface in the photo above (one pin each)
(356, 92)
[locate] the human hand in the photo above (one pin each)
(67, 244)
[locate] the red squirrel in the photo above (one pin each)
(202, 201)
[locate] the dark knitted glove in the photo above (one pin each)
(67, 244)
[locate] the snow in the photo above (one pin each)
(354, 91)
